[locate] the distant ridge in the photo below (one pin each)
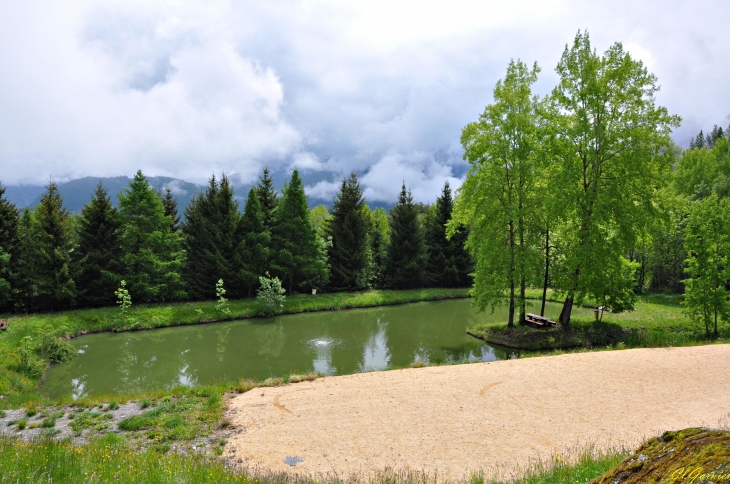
(77, 193)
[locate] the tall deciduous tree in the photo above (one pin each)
(9, 252)
(267, 197)
(406, 257)
(498, 201)
(348, 229)
(298, 259)
(379, 241)
(449, 264)
(252, 253)
(613, 147)
(211, 235)
(707, 242)
(99, 252)
(52, 271)
(152, 257)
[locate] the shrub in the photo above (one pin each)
(221, 306)
(270, 295)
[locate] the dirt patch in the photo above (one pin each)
(691, 455)
(455, 420)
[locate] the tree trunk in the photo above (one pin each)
(522, 269)
(511, 314)
(565, 313)
(715, 330)
(547, 268)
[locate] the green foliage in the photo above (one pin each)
(702, 172)
(406, 257)
(612, 147)
(320, 216)
(51, 346)
(270, 295)
(152, 257)
(379, 240)
(267, 198)
(212, 231)
(252, 253)
(349, 255)
(9, 252)
(298, 251)
(221, 307)
(124, 300)
(707, 242)
(170, 204)
(98, 250)
(449, 264)
(498, 201)
(51, 271)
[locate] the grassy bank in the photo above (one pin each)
(34, 341)
(657, 321)
(111, 459)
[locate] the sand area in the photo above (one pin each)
(496, 417)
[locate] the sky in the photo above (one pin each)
(383, 88)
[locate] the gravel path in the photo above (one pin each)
(454, 420)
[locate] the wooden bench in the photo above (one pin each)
(539, 321)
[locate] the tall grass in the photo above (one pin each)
(111, 459)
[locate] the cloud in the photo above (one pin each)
(382, 87)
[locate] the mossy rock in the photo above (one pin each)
(696, 455)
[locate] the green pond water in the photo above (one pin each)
(330, 343)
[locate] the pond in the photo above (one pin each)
(330, 343)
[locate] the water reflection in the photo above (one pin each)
(322, 362)
(375, 355)
(329, 343)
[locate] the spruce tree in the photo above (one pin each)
(298, 260)
(52, 272)
(211, 233)
(9, 247)
(448, 262)
(170, 205)
(24, 289)
(252, 253)
(151, 252)
(98, 253)
(348, 228)
(406, 259)
(267, 197)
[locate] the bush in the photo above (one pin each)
(270, 295)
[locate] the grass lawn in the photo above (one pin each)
(657, 321)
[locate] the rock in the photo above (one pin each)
(694, 455)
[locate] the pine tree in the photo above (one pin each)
(170, 205)
(267, 197)
(698, 142)
(98, 253)
(298, 260)
(52, 271)
(348, 227)
(252, 253)
(9, 247)
(406, 259)
(448, 262)
(211, 234)
(27, 255)
(151, 252)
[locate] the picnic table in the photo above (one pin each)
(539, 321)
